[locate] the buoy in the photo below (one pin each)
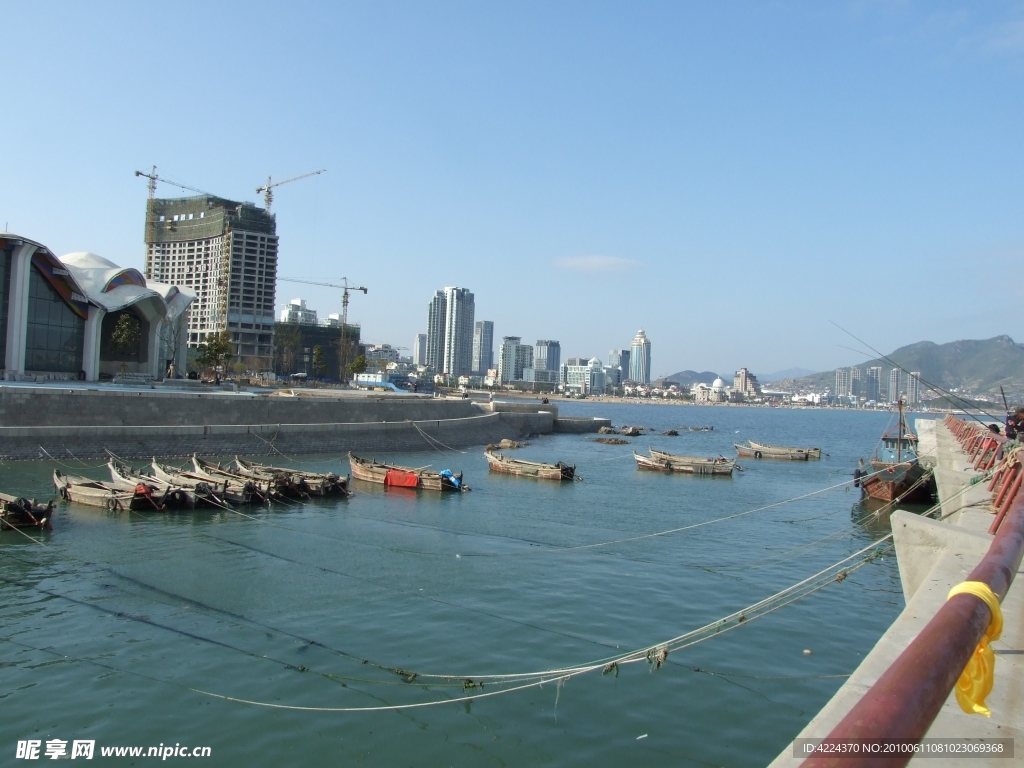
(807, 652)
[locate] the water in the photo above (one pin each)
(163, 603)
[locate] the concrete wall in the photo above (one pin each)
(56, 407)
(63, 443)
(580, 424)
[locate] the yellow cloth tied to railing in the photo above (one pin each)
(975, 683)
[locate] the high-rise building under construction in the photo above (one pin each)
(227, 252)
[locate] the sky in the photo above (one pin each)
(737, 179)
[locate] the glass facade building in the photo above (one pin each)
(640, 359)
(56, 334)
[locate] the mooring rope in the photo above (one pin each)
(430, 440)
(655, 655)
(70, 466)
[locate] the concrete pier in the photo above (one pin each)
(84, 421)
(934, 556)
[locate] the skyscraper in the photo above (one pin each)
(619, 358)
(914, 387)
(483, 347)
(895, 379)
(458, 331)
(548, 356)
(507, 358)
(873, 383)
(450, 331)
(856, 384)
(419, 349)
(437, 312)
(640, 359)
(227, 252)
(842, 382)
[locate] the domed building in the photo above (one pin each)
(59, 316)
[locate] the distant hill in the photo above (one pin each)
(789, 373)
(975, 368)
(693, 377)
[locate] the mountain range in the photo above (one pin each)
(972, 367)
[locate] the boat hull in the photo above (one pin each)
(812, 453)
(24, 513)
(561, 471)
(373, 471)
(690, 465)
(898, 482)
(750, 452)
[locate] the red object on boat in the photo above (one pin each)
(400, 479)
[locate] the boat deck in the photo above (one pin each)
(933, 557)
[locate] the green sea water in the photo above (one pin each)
(111, 630)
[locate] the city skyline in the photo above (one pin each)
(778, 149)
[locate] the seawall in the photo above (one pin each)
(87, 422)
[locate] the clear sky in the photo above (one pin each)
(727, 176)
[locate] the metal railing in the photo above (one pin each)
(903, 703)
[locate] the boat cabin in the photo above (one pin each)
(896, 447)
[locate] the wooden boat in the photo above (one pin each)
(124, 478)
(693, 465)
(222, 489)
(896, 473)
(812, 453)
(306, 483)
(261, 489)
(373, 471)
(96, 494)
(559, 471)
(771, 452)
(18, 512)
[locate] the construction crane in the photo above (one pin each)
(268, 188)
(345, 286)
(153, 179)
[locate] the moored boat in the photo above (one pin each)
(261, 490)
(751, 451)
(96, 494)
(309, 483)
(124, 478)
(539, 470)
(812, 453)
(896, 474)
(18, 512)
(693, 465)
(373, 471)
(223, 490)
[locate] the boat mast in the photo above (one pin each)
(899, 438)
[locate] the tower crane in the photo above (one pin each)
(153, 179)
(345, 286)
(268, 188)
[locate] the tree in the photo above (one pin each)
(287, 341)
(127, 334)
(318, 364)
(215, 351)
(358, 365)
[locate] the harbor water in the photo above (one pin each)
(140, 629)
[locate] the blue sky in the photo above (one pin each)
(728, 176)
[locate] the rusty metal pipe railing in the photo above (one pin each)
(905, 700)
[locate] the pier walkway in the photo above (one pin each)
(933, 557)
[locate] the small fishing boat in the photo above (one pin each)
(307, 483)
(220, 489)
(771, 452)
(559, 471)
(692, 465)
(261, 490)
(96, 494)
(812, 453)
(896, 473)
(373, 471)
(124, 478)
(18, 512)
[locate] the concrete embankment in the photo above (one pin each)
(934, 556)
(86, 421)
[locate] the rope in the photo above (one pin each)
(431, 440)
(70, 466)
(654, 655)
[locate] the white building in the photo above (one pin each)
(584, 377)
(59, 316)
(419, 349)
(450, 331)
(716, 393)
(382, 352)
(295, 311)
